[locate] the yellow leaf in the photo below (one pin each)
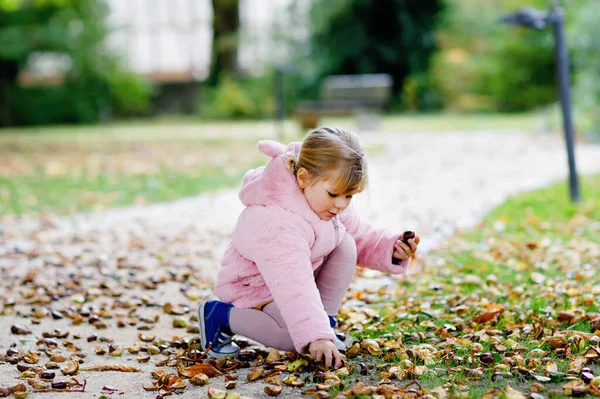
(551, 367)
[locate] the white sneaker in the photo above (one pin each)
(222, 351)
(340, 345)
(211, 334)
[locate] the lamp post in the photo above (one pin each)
(279, 101)
(281, 71)
(532, 18)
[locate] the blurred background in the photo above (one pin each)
(107, 103)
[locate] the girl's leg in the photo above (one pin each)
(265, 326)
(334, 276)
(333, 279)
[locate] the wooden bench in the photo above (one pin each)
(361, 95)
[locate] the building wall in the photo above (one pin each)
(165, 39)
(170, 40)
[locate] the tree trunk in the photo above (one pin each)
(8, 76)
(226, 23)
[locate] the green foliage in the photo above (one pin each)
(14, 5)
(70, 103)
(129, 92)
(241, 98)
(485, 65)
(548, 204)
(417, 94)
(363, 36)
(95, 81)
(584, 41)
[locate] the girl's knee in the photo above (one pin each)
(347, 248)
(283, 341)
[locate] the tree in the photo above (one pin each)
(364, 36)
(226, 23)
(20, 33)
(584, 43)
(8, 75)
(95, 80)
(485, 65)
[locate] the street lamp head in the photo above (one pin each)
(527, 17)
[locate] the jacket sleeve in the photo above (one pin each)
(277, 241)
(374, 246)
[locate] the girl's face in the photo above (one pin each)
(322, 198)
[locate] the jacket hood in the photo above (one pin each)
(273, 184)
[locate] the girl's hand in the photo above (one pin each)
(403, 251)
(326, 349)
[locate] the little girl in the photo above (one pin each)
(294, 249)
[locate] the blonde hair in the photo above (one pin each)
(333, 153)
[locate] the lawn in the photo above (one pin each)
(512, 305)
(508, 309)
(72, 170)
(62, 170)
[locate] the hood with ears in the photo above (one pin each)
(274, 183)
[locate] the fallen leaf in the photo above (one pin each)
(214, 393)
(70, 368)
(273, 356)
(111, 367)
(200, 368)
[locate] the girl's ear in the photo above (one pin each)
(303, 178)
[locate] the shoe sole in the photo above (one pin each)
(218, 355)
(204, 341)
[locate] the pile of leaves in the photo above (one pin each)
(494, 313)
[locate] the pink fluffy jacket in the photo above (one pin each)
(279, 241)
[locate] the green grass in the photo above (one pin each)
(190, 129)
(66, 169)
(448, 122)
(149, 129)
(39, 193)
(458, 122)
(61, 170)
(532, 211)
(543, 253)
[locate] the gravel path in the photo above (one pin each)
(430, 182)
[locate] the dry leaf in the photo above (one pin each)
(200, 379)
(200, 368)
(273, 356)
(491, 314)
(273, 390)
(255, 374)
(214, 393)
(70, 368)
(111, 367)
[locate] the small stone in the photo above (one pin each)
(47, 375)
(363, 368)
(486, 358)
(12, 352)
(587, 377)
(56, 315)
